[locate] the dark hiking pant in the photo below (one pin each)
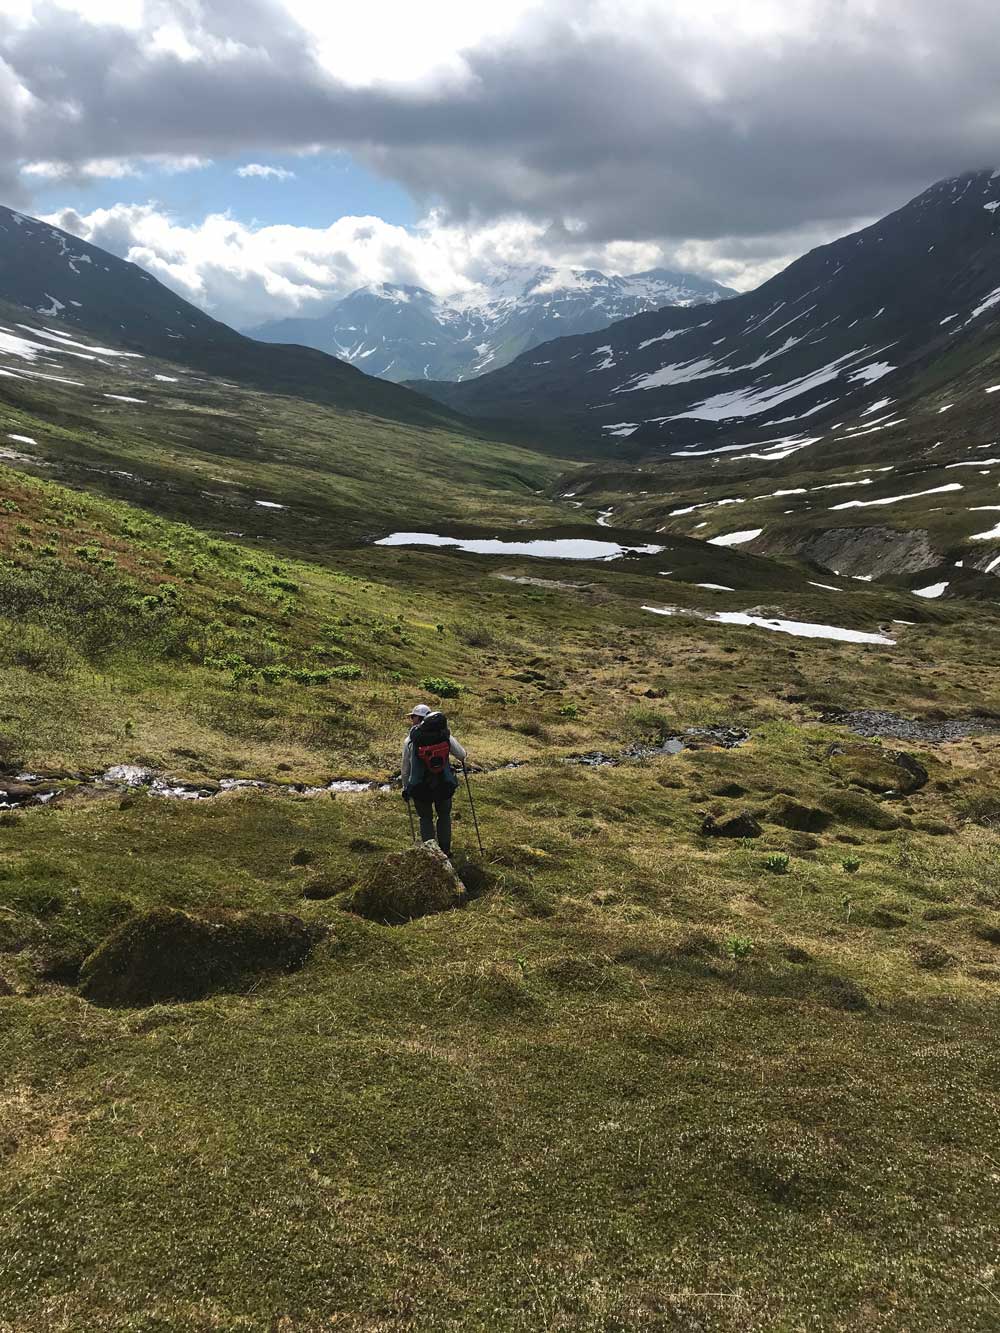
(440, 802)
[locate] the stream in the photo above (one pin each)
(26, 789)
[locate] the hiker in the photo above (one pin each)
(428, 777)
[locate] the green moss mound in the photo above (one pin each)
(742, 825)
(860, 811)
(166, 955)
(878, 770)
(794, 815)
(409, 884)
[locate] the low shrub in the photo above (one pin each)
(441, 686)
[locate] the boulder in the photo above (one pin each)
(14, 791)
(742, 825)
(166, 955)
(404, 885)
(891, 772)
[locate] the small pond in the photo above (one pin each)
(543, 548)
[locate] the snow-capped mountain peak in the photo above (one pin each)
(404, 332)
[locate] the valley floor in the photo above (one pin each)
(645, 1079)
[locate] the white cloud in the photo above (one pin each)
(98, 168)
(245, 274)
(113, 168)
(397, 42)
(265, 172)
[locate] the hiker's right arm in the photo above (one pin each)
(405, 762)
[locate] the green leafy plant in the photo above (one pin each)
(739, 948)
(852, 864)
(442, 686)
(777, 863)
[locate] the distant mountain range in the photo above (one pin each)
(906, 304)
(402, 332)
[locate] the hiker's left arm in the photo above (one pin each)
(459, 751)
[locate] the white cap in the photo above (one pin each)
(421, 710)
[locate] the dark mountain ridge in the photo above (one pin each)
(77, 286)
(870, 316)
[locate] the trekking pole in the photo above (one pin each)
(413, 831)
(472, 805)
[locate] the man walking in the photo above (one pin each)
(428, 777)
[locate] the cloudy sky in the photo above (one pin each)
(266, 156)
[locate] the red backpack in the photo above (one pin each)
(431, 741)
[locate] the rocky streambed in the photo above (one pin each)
(872, 723)
(691, 738)
(27, 789)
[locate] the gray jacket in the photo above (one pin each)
(457, 750)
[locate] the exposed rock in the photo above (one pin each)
(165, 955)
(132, 775)
(876, 722)
(15, 791)
(860, 550)
(885, 771)
(404, 885)
(989, 935)
(742, 825)
(795, 815)
(795, 954)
